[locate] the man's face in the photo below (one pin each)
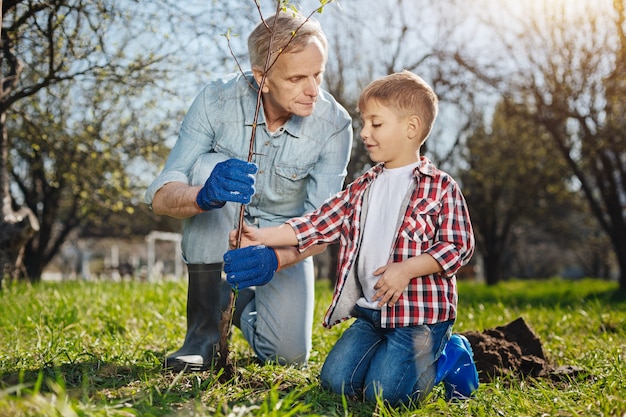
(293, 83)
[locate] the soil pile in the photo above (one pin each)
(514, 350)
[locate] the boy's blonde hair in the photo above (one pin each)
(283, 26)
(406, 93)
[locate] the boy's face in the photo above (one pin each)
(292, 85)
(388, 137)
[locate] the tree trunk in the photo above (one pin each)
(16, 227)
(34, 266)
(492, 268)
(16, 230)
(620, 251)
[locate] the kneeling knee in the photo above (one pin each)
(336, 383)
(295, 357)
(396, 397)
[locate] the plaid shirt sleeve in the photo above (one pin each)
(323, 225)
(453, 245)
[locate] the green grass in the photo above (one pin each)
(95, 349)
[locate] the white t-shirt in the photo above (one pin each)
(386, 195)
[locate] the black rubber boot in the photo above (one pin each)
(207, 296)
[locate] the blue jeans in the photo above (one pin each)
(278, 322)
(397, 364)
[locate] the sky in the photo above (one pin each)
(368, 42)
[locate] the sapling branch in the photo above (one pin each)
(272, 55)
(225, 362)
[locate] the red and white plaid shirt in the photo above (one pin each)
(435, 222)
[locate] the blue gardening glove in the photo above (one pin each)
(250, 266)
(231, 180)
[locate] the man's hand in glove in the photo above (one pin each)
(250, 266)
(231, 180)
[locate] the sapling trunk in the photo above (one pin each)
(225, 362)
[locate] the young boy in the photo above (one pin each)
(404, 231)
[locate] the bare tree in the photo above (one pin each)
(513, 178)
(70, 68)
(570, 71)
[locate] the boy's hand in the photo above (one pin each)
(250, 236)
(250, 266)
(392, 283)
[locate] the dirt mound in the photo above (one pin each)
(514, 350)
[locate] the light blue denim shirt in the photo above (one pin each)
(300, 165)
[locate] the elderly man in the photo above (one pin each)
(302, 147)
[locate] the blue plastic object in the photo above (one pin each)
(231, 180)
(456, 368)
(250, 266)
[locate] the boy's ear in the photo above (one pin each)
(258, 76)
(414, 127)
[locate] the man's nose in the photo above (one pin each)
(312, 88)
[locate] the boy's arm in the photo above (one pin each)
(281, 238)
(454, 242)
(289, 255)
(275, 236)
(282, 235)
(279, 247)
(262, 252)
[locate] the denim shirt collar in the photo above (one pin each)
(293, 126)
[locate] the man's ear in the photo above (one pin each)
(258, 76)
(414, 127)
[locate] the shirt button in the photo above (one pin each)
(267, 143)
(293, 176)
(261, 172)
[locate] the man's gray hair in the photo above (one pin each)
(289, 24)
